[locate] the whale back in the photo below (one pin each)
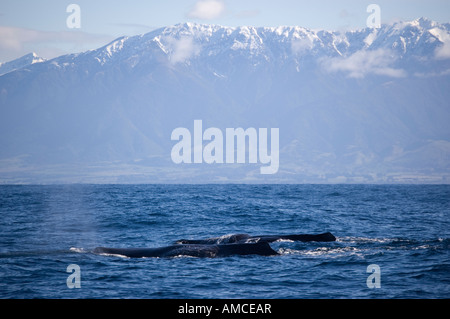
(260, 248)
(324, 237)
(191, 250)
(225, 239)
(245, 238)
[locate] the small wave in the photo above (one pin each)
(32, 253)
(112, 255)
(322, 251)
(395, 243)
(229, 238)
(224, 239)
(281, 240)
(364, 246)
(357, 240)
(78, 250)
(252, 240)
(257, 239)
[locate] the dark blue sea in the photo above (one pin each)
(402, 229)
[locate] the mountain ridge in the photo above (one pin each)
(367, 105)
(206, 31)
(19, 63)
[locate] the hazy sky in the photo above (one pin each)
(40, 26)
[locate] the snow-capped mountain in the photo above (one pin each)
(19, 63)
(367, 105)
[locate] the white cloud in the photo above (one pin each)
(432, 74)
(301, 45)
(442, 51)
(207, 9)
(16, 42)
(365, 62)
(182, 49)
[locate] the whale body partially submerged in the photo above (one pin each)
(245, 238)
(228, 245)
(192, 250)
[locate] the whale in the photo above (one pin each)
(192, 250)
(246, 238)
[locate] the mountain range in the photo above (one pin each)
(361, 106)
(19, 63)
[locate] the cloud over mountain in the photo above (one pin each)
(364, 62)
(356, 106)
(207, 9)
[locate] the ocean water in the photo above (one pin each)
(403, 229)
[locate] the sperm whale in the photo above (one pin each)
(245, 238)
(228, 245)
(192, 250)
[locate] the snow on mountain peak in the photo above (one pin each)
(186, 41)
(34, 58)
(259, 39)
(28, 59)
